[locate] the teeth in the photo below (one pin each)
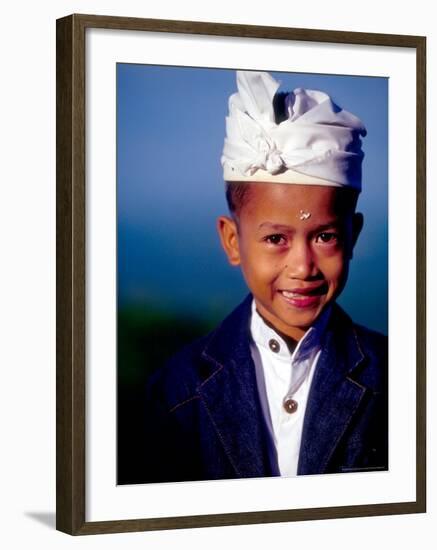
(291, 294)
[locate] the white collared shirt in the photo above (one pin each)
(280, 373)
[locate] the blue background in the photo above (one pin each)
(174, 282)
(170, 131)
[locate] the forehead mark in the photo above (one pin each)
(304, 215)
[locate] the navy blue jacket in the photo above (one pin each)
(204, 418)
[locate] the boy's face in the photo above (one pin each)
(293, 243)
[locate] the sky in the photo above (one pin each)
(170, 190)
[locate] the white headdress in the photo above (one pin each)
(316, 143)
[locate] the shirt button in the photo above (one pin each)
(290, 405)
(274, 345)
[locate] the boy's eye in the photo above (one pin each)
(275, 239)
(327, 238)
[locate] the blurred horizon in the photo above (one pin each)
(170, 131)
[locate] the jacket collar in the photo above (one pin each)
(262, 333)
(335, 394)
(231, 336)
(231, 398)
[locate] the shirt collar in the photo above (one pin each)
(310, 343)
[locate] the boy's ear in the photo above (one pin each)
(228, 232)
(357, 226)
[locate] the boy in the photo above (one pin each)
(287, 384)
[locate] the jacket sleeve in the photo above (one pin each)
(171, 450)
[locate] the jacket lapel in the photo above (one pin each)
(231, 400)
(230, 397)
(334, 396)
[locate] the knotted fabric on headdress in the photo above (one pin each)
(318, 143)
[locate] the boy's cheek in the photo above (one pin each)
(334, 262)
(340, 280)
(261, 270)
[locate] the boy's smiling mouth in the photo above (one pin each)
(305, 297)
(305, 291)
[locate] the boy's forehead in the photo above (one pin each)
(311, 199)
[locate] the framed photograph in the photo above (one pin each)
(233, 349)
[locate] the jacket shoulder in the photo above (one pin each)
(373, 343)
(366, 349)
(176, 381)
(179, 379)
(367, 340)
(370, 336)
(374, 346)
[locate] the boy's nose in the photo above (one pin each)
(300, 261)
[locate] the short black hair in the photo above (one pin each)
(236, 194)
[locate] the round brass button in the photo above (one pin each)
(290, 405)
(274, 345)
